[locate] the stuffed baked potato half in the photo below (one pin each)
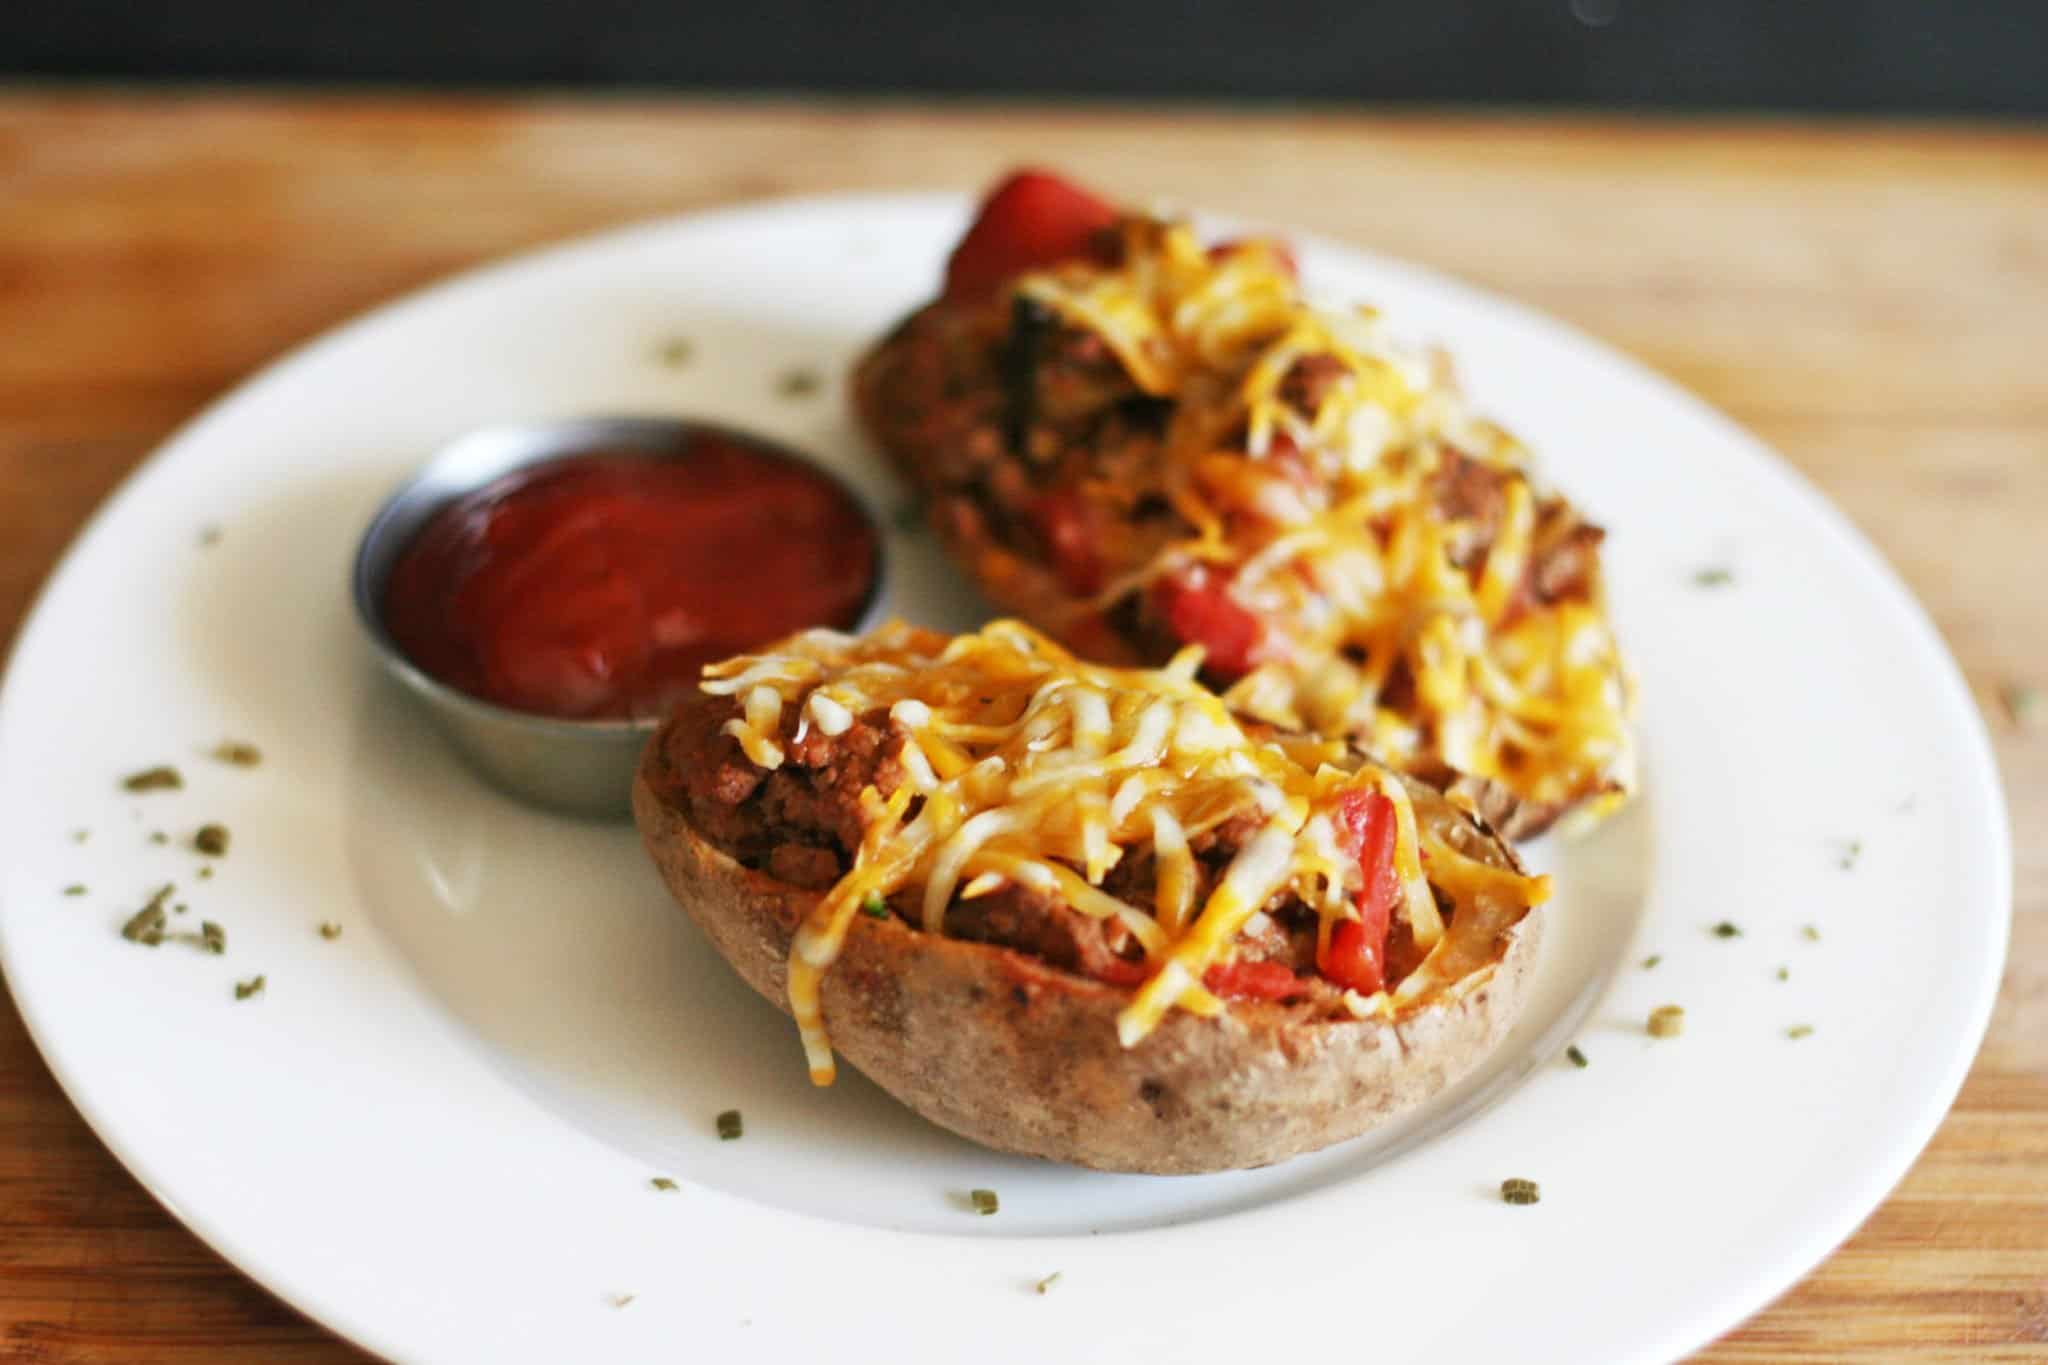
(1138, 440)
(1080, 912)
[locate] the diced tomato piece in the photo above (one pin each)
(1031, 220)
(1252, 980)
(1281, 250)
(1072, 533)
(1357, 955)
(1197, 607)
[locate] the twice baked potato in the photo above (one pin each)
(1137, 441)
(1081, 912)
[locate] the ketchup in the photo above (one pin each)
(597, 586)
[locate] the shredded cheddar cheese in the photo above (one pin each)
(1415, 629)
(1024, 764)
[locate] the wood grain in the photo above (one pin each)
(1873, 300)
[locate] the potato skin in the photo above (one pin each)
(1018, 1055)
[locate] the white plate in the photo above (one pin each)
(435, 1134)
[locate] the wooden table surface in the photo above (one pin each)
(1871, 299)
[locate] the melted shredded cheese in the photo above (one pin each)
(1054, 771)
(1342, 544)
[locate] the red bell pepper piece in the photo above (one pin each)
(1031, 220)
(1357, 954)
(1197, 607)
(1252, 980)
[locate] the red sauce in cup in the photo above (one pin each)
(598, 586)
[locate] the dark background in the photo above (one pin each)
(1898, 56)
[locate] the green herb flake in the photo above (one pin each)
(179, 908)
(209, 536)
(79, 836)
(1714, 576)
(1519, 1191)
(1045, 1285)
(212, 937)
(212, 840)
(1727, 930)
(205, 873)
(1667, 1021)
(1852, 849)
(984, 1202)
(1798, 1031)
(159, 838)
(1652, 960)
(238, 753)
(729, 1125)
(146, 926)
(75, 889)
(160, 778)
(675, 352)
(2023, 704)
(253, 986)
(909, 516)
(1578, 1058)
(329, 930)
(872, 904)
(1784, 973)
(1810, 934)
(798, 383)
(662, 1182)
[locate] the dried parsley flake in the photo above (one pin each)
(329, 930)
(984, 1202)
(729, 1125)
(1852, 849)
(212, 937)
(242, 755)
(160, 778)
(159, 838)
(212, 840)
(1715, 576)
(245, 989)
(872, 904)
(1810, 934)
(1725, 929)
(798, 383)
(675, 352)
(909, 516)
(75, 889)
(1519, 1191)
(1652, 960)
(2022, 704)
(662, 1182)
(1045, 1285)
(1578, 1058)
(146, 926)
(1798, 1031)
(1784, 973)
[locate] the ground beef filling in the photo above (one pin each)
(1010, 409)
(801, 824)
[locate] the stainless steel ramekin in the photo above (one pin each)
(578, 767)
